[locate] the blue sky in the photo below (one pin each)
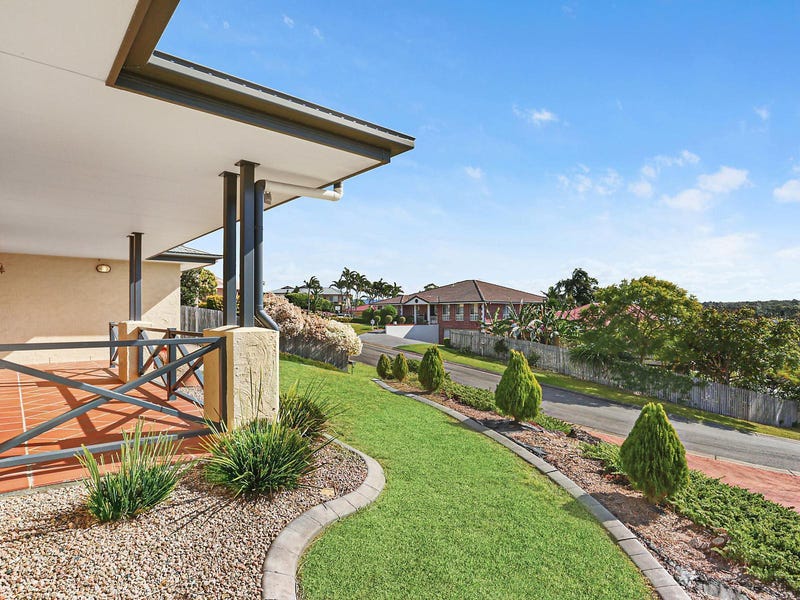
(627, 138)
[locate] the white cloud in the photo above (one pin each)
(691, 199)
(641, 188)
(792, 253)
(475, 173)
(288, 21)
(649, 172)
(317, 33)
(762, 112)
(788, 192)
(684, 158)
(653, 166)
(538, 117)
(726, 180)
(580, 182)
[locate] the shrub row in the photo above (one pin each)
(471, 396)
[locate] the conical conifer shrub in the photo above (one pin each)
(431, 370)
(384, 366)
(653, 456)
(518, 394)
(400, 367)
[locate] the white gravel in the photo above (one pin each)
(199, 544)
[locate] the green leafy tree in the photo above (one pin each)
(642, 317)
(518, 394)
(214, 302)
(384, 366)
(430, 286)
(739, 347)
(400, 367)
(653, 456)
(577, 290)
(387, 311)
(197, 285)
(431, 369)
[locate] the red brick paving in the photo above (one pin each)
(779, 486)
(26, 401)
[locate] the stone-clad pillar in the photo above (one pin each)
(251, 376)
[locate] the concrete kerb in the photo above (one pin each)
(661, 580)
(279, 572)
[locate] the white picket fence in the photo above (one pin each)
(712, 397)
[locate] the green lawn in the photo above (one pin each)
(460, 518)
(360, 327)
(614, 395)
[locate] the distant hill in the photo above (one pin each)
(766, 308)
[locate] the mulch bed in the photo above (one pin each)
(683, 548)
(199, 544)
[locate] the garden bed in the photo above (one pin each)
(685, 549)
(199, 544)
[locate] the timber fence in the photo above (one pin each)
(194, 318)
(712, 397)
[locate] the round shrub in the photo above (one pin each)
(400, 367)
(387, 310)
(413, 365)
(500, 346)
(653, 456)
(518, 394)
(387, 319)
(384, 367)
(401, 319)
(533, 359)
(262, 457)
(431, 369)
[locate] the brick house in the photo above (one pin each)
(462, 305)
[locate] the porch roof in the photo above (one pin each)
(100, 136)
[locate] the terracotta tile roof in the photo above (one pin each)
(469, 291)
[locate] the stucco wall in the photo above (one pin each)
(53, 298)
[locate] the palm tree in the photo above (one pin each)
(393, 290)
(341, 286)
(313, 288)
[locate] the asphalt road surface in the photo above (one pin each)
(708, 439)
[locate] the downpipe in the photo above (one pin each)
(258, 262)
(264, 190)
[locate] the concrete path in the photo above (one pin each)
(704, 439)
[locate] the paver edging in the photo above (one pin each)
(662, 581)
(279, 572)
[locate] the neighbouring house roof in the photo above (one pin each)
(572, 314)
(469, 291)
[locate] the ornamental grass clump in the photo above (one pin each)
(384, 367)
(518, 394)
(400, 367)
(307, 410)
(431, 370)
(653, 456)
(261, 457)
(148, 472)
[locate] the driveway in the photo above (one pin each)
(706, 439)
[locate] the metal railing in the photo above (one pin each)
(165, 371)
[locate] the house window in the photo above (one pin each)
(459, 312)
(474, 314)
(506, 311)
(446, 312)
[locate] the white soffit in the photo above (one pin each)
(82, 165)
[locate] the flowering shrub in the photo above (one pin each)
(311, 327)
